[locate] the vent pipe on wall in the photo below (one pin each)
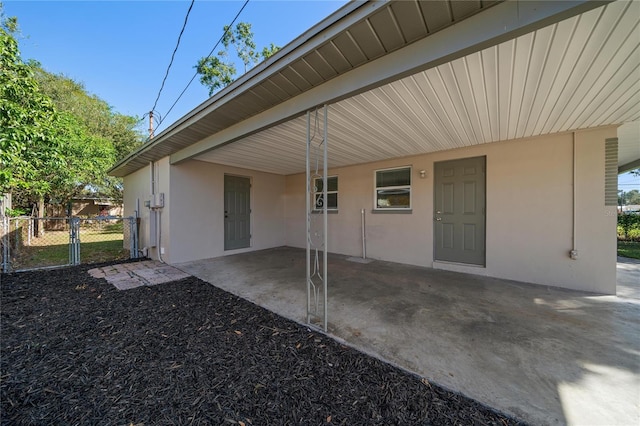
(364, 238)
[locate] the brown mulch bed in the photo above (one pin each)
(74, 350)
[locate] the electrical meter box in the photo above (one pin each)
(157, 201)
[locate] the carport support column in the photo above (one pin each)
(317, 220)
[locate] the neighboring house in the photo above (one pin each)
(85, 207)
(483, 137)
(631, 208)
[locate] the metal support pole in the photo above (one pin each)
(364, 238)
(74, 241)
(5, 244)
(317, 221)
(324, 219)
(308, 218)
(133, 236)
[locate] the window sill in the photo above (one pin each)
(393, 211)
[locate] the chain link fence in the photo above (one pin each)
(39, 243)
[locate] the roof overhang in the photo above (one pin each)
(398, 64)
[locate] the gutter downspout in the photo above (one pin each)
(573, 254)
(364, 239)
(156, 211)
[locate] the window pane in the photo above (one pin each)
(333, 201)
(393, 198)
(332, 183)
(397, 177)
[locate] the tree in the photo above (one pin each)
(632, 197)
(93, 113)
(214, 73)
(241, 37)
(56, 140)
(269, 51)
(28, 142)
(217, 72)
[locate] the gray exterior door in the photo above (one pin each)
(459, 211)
(237, 212)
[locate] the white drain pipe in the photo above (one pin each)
(364, 239)
(573, 254)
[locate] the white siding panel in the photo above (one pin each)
(580, 73)
(440, 99)
(480, 93)
(433, 121)
(534, 79)
(588, 42)
(489, 61)
(521, 62)
(466, 101)
(598, 58)
(542, 104)
(506, 53)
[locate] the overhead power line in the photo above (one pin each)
(207, 57)
(184, 25)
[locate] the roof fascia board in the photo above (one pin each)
(499, 23)
(629, 166)
(334, 24)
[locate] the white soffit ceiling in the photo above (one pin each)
(629, 144)
(579, 73)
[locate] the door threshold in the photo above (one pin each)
(466, 268)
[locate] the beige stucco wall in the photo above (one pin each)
(138, 190)
(197, 210)
(529, 222)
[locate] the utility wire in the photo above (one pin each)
(208, 56)
(184, 25)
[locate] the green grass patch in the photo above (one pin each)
(629, 249)
(35, 256)
(103, 251)
(100, 243)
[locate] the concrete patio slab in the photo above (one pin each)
(628, 277)
(126, 276)
(545, 355)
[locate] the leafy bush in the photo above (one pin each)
(15, 212)
(629, 227)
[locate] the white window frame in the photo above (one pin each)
(376, 188)
(316, 193)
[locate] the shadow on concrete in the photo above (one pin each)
(628, 278)
(543, 354)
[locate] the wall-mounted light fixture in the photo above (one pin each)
(423, 174)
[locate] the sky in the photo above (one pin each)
(120, 50)
(627, 182)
